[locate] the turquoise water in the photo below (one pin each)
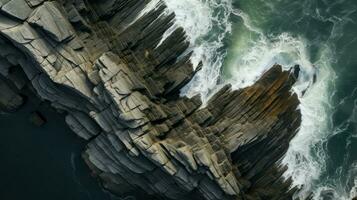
(239, 39)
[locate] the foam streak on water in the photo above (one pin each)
(208, 23)
(258, 56)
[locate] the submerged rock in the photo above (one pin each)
(10, 100)
(37, 119)
(104, 64)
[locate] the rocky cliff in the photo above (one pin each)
(106, 65)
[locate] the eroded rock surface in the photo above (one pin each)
(106, 65)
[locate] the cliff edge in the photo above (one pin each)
(107, 66)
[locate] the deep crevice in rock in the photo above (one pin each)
(119, 92)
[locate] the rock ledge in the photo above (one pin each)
(104, 65)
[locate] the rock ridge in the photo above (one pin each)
(107, 66)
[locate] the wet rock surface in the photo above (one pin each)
(106, 65)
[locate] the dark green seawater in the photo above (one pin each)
(240, 39)
(237, 40)
(319, 34)
(43, 163)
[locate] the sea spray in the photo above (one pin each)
(207, 24)
(306, 157)
(258, 56)
(353, 192)
(252, 51)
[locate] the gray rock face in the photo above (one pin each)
(17, 8)
(34, 3)
(52, 21)
(102, 63)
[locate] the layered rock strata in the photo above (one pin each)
(108, 67)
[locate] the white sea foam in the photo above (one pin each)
(257, 57)
(353, 192)
(352, 177)
(254, 53)
(206, 23)
(339, 188)
(306, 156)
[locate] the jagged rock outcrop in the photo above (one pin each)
(108, 67)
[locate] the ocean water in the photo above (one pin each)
(43, 163)
(238, 40)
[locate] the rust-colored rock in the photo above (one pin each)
(103, 63)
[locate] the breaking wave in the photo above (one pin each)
(241, 57)
(207, 23)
